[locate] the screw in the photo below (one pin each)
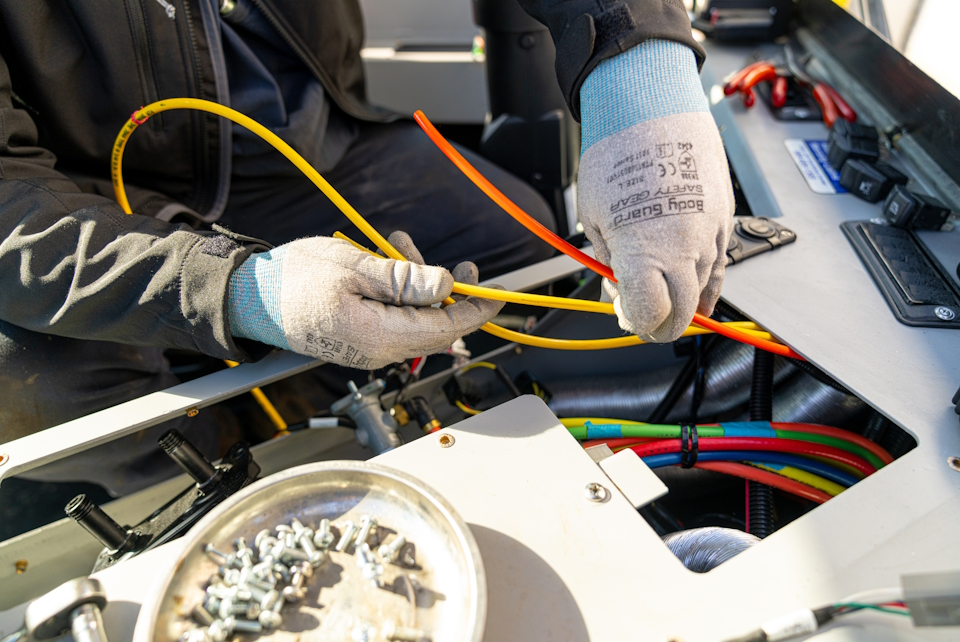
(368, 563)
(196, 635)
(270, 618)
(285, 533)
(192, 412)
(296, 591)
(595, 492)
(225, 560)
(20, 566)
(363, 632)
(389, 553)
(944, 313)
(367, 525)
(4, 458)
(954, 462)
(408, 555)
(348, 532)
(233, 624)
(396, 633)
(304, 537)
(202, 615)
(323, 538)
(264, 541)
(446, 440)
(218, 631)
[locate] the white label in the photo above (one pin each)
(808, 165)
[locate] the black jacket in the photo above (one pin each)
(71, 72)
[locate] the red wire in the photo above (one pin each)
(558, 243)
(620, 441)
(669, 446)
(846, 435)
(762, 476)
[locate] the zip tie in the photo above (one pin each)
(133, 117)
(689, 445)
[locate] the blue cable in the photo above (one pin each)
(761, 457)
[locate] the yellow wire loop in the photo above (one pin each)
(265, 403)
(141, 115)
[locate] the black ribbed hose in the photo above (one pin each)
(761, 409)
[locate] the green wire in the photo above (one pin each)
(666, 431)
(873, 607)
(836, 442)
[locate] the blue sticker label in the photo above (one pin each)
(603, 431)
(810, 157)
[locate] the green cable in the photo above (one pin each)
(873, 607)
(836, 442)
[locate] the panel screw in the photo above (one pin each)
(944, 313)
(20, 566)
(446, 440)
(954, 462)
(4, 458)
(192, 412)
(595, 492)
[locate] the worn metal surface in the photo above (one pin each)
(450, 606)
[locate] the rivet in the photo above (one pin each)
(446, 440)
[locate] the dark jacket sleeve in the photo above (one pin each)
(587, 32)
(73, 264)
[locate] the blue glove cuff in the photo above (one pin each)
(253, 299)
(656, 78)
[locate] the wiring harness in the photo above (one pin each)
(702, 324)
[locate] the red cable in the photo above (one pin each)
(846, 435)
(762, 476)
(669, 446)
(558, 243)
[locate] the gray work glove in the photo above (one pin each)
(324, 298)
(654, 192)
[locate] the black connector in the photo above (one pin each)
(911, 211)
(187, 456)
(420, 410)
(870, 182)
(843, 148)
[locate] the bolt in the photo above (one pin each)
(218, 631)
(225, 560)
(367, 525)
(212, 604)
(196, 635)
(264, 571)
(286, 554)
(296, 591)
(231, 577)
(282, 571)
(202, 615)
(954, 462)
(408, 555)
(368, 563)
(446, 440)
(304, 537)
(233, 624)
(395, 633)
(389, 553)
(323, 538)
(269, 600)
(348, 532)
(262, 535)
(271, 618)
(363, 632)
(595, 492)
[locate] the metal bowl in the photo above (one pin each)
(451, 601)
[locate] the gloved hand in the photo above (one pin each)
(653, 190)
(324, 298)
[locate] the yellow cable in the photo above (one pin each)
(469, 411)
(816, 481)
(268, 407)
(577, 422)
(141, 115)
(478, 364)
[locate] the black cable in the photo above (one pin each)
(507, 381)
(683, 381)
(761, 409)
(700, 380)
(820, 376)
(876, 427)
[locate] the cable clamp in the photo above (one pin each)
(689, 445)
(133, 117)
